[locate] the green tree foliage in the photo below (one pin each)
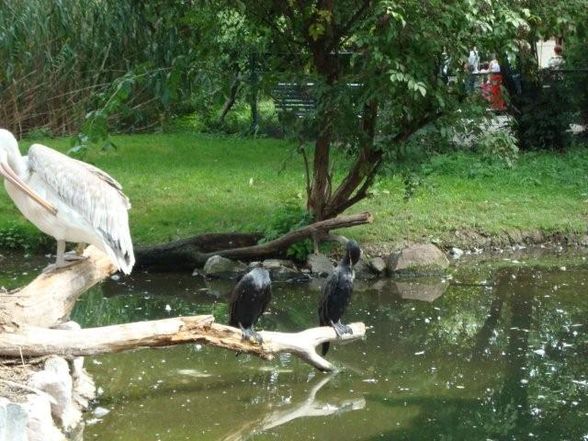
(545, 103)
(373, 65)
(375, 70)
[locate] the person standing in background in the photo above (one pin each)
(496, 99)
(557, 60)
(473, 66)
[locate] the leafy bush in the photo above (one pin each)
(16, 237)
(499, 145)
(286, 218)
(545, 115)
(575, 58)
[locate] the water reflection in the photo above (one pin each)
(310, 407)
(423, 290)
(500, 360)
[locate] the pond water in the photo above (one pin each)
(494, 352)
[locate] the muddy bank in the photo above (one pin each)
(486, 243)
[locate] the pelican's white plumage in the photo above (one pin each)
(68, 199)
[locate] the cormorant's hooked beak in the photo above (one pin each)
(9, 174)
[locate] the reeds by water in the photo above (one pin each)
(59, 59)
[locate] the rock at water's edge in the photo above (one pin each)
(217, 266)
(319, 265)
(377, 264)
(13, 421)
(418, 259)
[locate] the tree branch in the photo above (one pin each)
(302, 150)
(268, 18)
(36, 341)
(362, 192)
(347, 27)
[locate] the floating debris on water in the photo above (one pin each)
(272, 369)
(370, 380)
(100, 412)
(193, 373)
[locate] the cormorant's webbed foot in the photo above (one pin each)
(341, 329)
(250, 335)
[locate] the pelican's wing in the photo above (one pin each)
(104, 177)
(92, 193)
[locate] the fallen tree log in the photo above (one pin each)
(188, 254)
(180, 254)
(32, 341)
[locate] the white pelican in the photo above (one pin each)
(68, 199)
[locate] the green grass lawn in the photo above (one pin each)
(185, 183)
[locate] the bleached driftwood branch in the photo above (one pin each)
(49, 299)
(36, 341)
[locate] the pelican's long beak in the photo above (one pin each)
(9, 174)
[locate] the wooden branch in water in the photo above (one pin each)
(49, 299)
(35, 341)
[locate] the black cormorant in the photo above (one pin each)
(337, 293)
(249, 299)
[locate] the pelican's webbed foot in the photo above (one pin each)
(341, 329)
(60, 265)
(250, 335)
(73, 256)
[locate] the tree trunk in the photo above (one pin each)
(186, 254)
(230, 101)
(48, 300)
(364, 168)
(327, 66)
